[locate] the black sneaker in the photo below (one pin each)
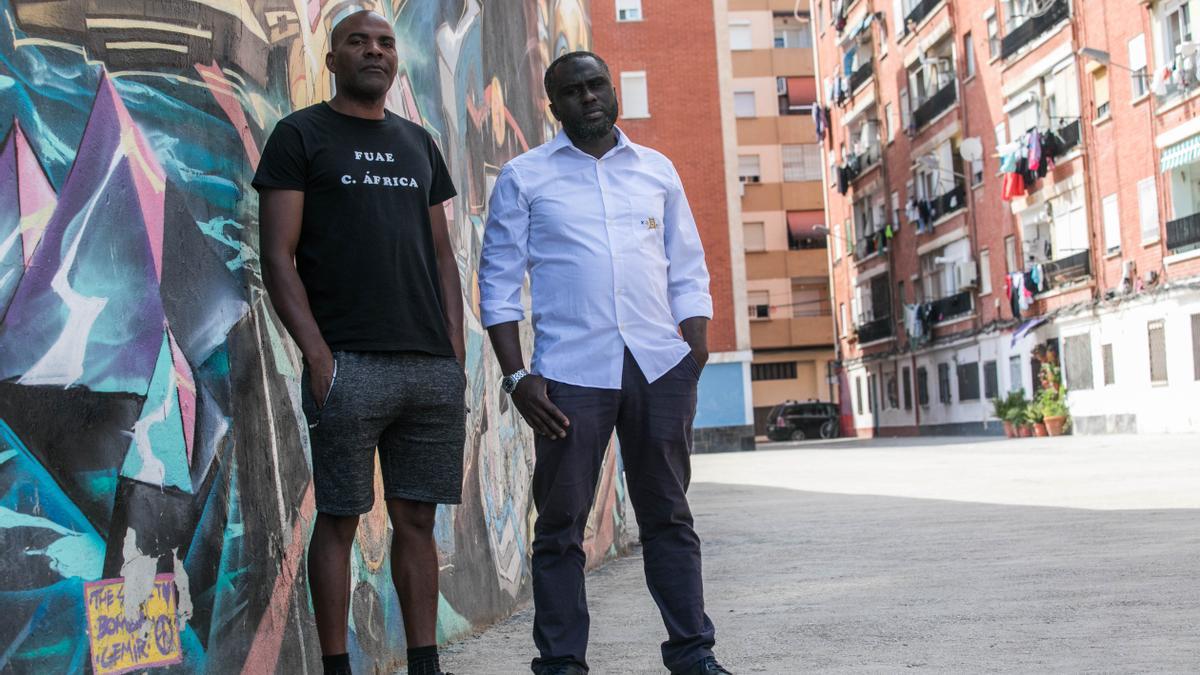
(706, 666)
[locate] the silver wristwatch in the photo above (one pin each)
(509, 383)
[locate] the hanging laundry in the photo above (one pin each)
(1015, 283)
(1013, 187)
(848, 61)
(1035, 150)
(1036, 273)
(888, 231)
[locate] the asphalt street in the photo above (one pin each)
(1067, 555)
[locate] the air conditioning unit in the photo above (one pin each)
(966, 274)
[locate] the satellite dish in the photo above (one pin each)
(971, 149)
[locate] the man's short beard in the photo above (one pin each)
(592, 131)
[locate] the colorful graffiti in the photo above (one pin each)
(149, 435)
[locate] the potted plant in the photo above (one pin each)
(1053, 403)
(1009, 411)
(1033, 413)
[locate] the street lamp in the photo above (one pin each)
(1104, 58)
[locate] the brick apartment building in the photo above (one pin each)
(682, 108)
(976, 150)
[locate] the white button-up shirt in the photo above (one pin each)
(613, 256)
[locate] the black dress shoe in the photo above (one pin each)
(562, 669)
(706, 666)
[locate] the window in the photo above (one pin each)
(858, 393)
(993, 31)
(977, 172)
(1014, 373)
(634, 102)
(922, 386)
(754, 237)
(1157, 333)
(871, 381)
(968, 381)
(889, 120)
(900, 293)
(810, 296)
(985, 272)
(1177, 28)
(785, 370)
(1010, 254)
(1148, 208)
(740, 37)
(905, 113)
(1100, 90)
(895, 210)
(629, 10)
(748, 169)
(801, 162)
(1196, 346)
(1112, 224)
(1077, 359)
(969, 54)
(759, 303)
(944, 382)
(743, 104)
(1140, 77)
(842, 314)
(793, 35)
(1106, 355)
(1001, 134)
(907, 386)
(991, 380)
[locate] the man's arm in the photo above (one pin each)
(452, 305)
(502, 266)
(280, 215)
(687, 275)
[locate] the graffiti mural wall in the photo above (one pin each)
(155, 494)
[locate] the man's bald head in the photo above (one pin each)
(343, 27)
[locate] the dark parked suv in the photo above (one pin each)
(797, 420)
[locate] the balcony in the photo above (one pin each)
(859, 164)
(810, 262)
(935, 105)
(869, 245)
(952, 200)
(860, 76)
(1033, 28)
(918, 13)
(873, 331)
(1177, 89)
(951, 306)
(809, 331)
(1066, 271)
(1183, 234)
(1069, 136)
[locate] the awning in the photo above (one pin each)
(865, 24)
(1025, 328)
(806, 225)
(1183, 152)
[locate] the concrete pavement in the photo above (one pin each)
(1069, 555)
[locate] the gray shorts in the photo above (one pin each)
(410, 407)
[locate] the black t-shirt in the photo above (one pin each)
(366, 253)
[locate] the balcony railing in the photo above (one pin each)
(935, 105)
(918, 13)
(859, 77)
(1033, 28)
(869, 245)
(952, 200)
(951, 306)
(1183, 234)
(1066, 270)
(875, 330)
(1070, 135)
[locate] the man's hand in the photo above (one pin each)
(539, 412)
(701, 356)
(695, 333)
(320, 377)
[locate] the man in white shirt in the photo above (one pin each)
(617, 272)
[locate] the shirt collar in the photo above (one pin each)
(562, 141)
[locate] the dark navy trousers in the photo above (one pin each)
(653, 422)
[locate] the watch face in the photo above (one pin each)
(507, 384)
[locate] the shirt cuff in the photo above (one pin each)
(691, 305)
(495, 316)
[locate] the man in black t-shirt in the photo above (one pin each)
(358, 262)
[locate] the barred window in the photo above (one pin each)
(944, 382)
(1078, 361)
(968, 381)
(907, 388)
(802, 162)
(1110, 373)
(991, 380)
(922, 386)
(784, 370)
(1157, 334)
